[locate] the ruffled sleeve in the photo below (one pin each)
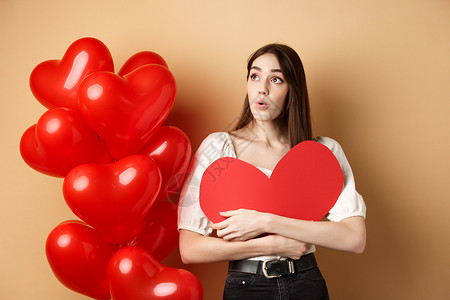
(350, 203)
(190, 215)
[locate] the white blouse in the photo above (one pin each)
(219, 144)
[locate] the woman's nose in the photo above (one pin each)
(263, 89)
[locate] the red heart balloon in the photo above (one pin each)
(125, 112)
(305, 184)
(55, 82)
(141, 58)
(158, 233)
(78, 256)
(60, 141)
(171, 149)
(134, 274)
(113, 198)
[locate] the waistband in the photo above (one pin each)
(273, 268)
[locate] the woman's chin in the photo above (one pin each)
(264, 117)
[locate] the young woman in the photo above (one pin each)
(271, 257)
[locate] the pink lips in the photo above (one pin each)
(261, 104)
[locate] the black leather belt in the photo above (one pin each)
(274, 268)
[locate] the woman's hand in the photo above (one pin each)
(285, 247)
(241, 225)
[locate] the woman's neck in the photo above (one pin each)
(267, 132)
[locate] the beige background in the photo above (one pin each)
(378, 74)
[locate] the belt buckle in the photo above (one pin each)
(288, 261)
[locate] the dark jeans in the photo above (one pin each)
(305, 285)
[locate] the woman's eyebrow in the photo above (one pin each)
(272, 70)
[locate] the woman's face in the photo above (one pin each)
(266, 88)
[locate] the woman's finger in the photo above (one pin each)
(229, 213)
(220, 225)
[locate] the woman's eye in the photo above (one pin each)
(277, 80)
(254, 77)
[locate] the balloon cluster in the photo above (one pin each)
(103, 132)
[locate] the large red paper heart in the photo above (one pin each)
(126, 111)
(60, 141)
(134, 274)
(79, 257)
(55, 83)
(113, 198)
(305, 184)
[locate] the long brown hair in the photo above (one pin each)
(295, 117)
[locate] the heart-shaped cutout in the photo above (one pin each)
(126, 111)
(113, 198)
(60, 141)
(55, 83)
(305, 184)
(134, 274)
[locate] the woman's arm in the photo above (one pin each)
(347, 235)
(197, 248)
